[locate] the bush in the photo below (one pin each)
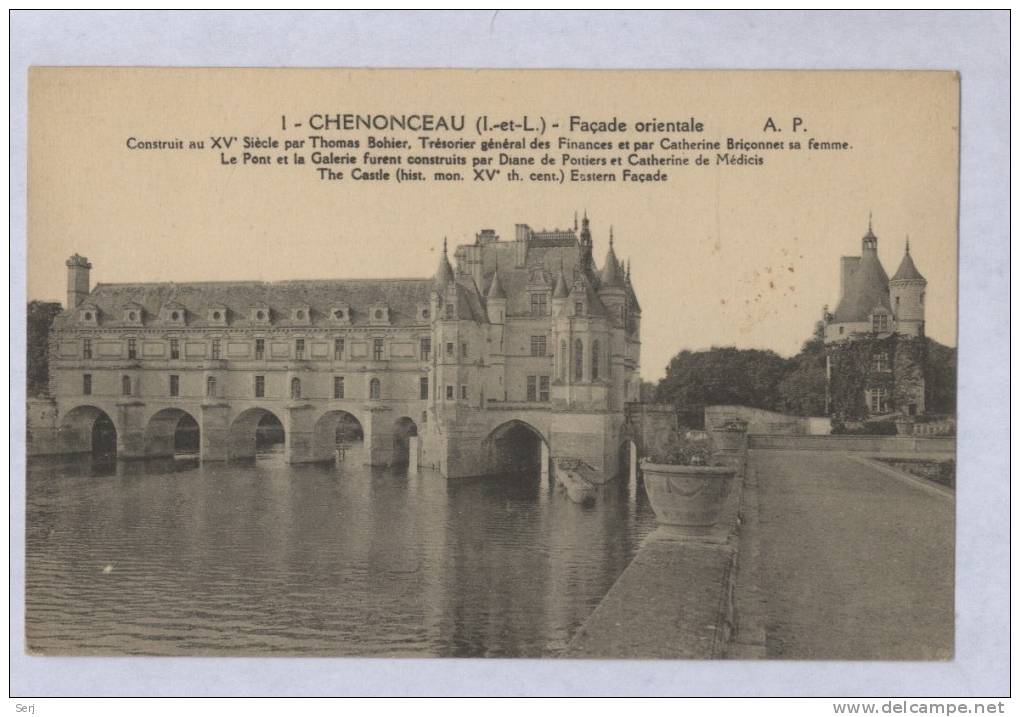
(868, 428)
(679, 451)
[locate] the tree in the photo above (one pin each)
(941, 378)
(802, 389)
(40, 318)
(721, 376)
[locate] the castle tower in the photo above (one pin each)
(864, 305)
(906, 289)
(77, 280)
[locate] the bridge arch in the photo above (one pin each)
(404, 429)
(514, 446)
(171, 431)
(336, 430)
(254, 430)
(89, 429)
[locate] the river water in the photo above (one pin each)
(173, 557)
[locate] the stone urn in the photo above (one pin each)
(688, 496)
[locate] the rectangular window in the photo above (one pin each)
(539, 305)
(260, 349)
(532, 388)
(86, 348)
(338, 349)
(215, 348)
(543, 388)
(423, 384)
(449, 349)
(449, 311)
(538, 346)
(86, 384)
(132, 348)
(878, 400)
(880, 362)
(175, 349)
(260, 387)
(338, 387)
(377, 349)
(299, 349)
(426, 349)
(175, 385)
(449, 393)
(463, 392)
(880, 323)
(463, 351)
(125, 386)
(578, 308)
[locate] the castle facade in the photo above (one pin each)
(516, 351)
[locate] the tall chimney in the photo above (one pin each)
(77, 280)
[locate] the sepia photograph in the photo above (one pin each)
(280, 411)
(492, 365)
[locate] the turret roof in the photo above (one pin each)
(495, 289)
(444, 272)
(612, 274)
(867, 290)
(907, 270)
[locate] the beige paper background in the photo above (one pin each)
(704, 245)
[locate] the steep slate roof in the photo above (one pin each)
(402, 296)
(907, 270)
(868, 289)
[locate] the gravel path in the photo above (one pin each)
(855, 564)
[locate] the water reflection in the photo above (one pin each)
(176, 557)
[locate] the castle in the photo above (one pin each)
(522, 351)
(875, 345)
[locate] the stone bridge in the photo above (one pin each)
(226, 430)
(456, 440)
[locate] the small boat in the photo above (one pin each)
(577, 477)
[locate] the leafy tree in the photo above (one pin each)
(40, 318)
(695, 379)
(802, 389)
(941, 378)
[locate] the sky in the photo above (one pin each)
(742, 256)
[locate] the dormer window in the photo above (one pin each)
(174, 313)
(133, 314)
(260, 314)
(579, 308)
(379, 314)
(340, 314)
(217, 315)
(89, 315)
(880, 322)
(300, 314)
(449, 311)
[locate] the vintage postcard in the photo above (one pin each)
(458, 363)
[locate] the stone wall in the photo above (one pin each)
(872, 444)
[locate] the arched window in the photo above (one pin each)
(374, 389)
(578, 360)
(210, 387)
(563, 360)
(125, 385)
(595, 361)
(295, 388)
